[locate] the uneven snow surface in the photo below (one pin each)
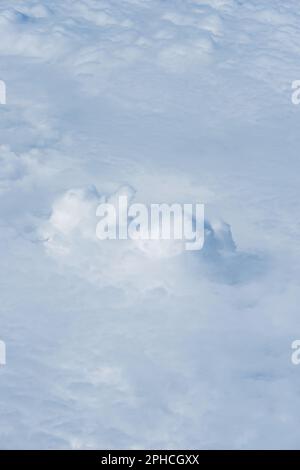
(118, 344)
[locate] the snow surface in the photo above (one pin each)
(109, 346)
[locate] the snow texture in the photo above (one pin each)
(114, 344)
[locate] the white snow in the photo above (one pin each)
(179, 101)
